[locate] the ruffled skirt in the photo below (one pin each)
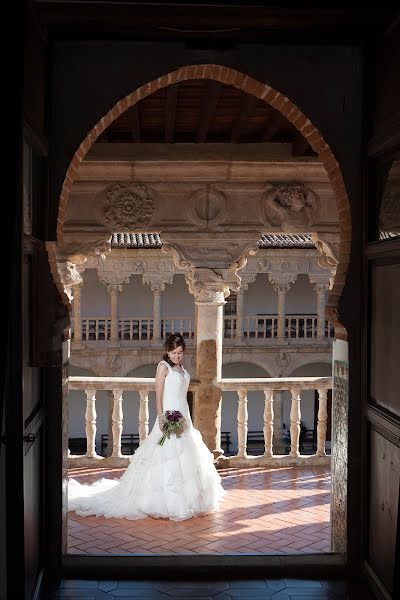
(175, 481)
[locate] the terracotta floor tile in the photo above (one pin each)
(284, 510)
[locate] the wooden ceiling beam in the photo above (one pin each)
(271, 127)
(209, 105)
(247, 106)
(170, 112)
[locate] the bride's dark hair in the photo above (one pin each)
(174, 340)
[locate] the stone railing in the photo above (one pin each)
(135, 328)
(270, 386)
(265, 327)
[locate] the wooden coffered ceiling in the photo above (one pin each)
(203, 111)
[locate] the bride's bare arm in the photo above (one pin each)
(161, 374)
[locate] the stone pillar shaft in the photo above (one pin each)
(268, 421)
(322, 419)
(281, 313)
(278, 443)
(77, 314)
(207, 413)
(117, 423)
(321, 297)
(239, 314)
(114, 315)
(156, 314)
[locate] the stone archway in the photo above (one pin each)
(269, 95)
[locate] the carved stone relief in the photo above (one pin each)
(290, 204)
(207, 207)
(126, 208)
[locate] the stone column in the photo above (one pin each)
(321, 297)
(278, 443)
(321, 285)
(245, 280)
(211, 261)
(77, 312)
(114, 290)
(157, 282)
(143, 415)
(209, 291)
(157, 295)
(239, 314)
(282, 283)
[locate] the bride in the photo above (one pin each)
(177, 480)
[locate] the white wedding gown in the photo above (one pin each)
(175, 481)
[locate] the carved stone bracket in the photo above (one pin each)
(328, 245)
(72, 258)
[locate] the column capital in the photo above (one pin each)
(158, 281)
(114, 288)
(320, 282)
(282, 282)
(210, 286)
(245, 280)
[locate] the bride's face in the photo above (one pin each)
(176, 355)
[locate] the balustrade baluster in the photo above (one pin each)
(295, 416)
(268, 421)
(90, 418)
(322, 419)
(117, 419)
(143, 415)
(242, 418)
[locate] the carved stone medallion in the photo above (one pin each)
(126, 207)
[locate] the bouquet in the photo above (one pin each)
(173, 422)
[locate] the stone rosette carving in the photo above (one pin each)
(283, 360)
(207, 207)
(290, 205)
(126, 208)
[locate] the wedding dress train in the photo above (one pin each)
(177, 480)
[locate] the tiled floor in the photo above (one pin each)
(279, 511)
(255, 589)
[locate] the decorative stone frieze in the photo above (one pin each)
(290, 204)
(126, 207)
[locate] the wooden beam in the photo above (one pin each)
(170, 112)
(271, 127)
(209, 105)
(134, 122)
(299, 145)
(247, 106)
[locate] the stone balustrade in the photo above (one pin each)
(265, 327)
(116, 386)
